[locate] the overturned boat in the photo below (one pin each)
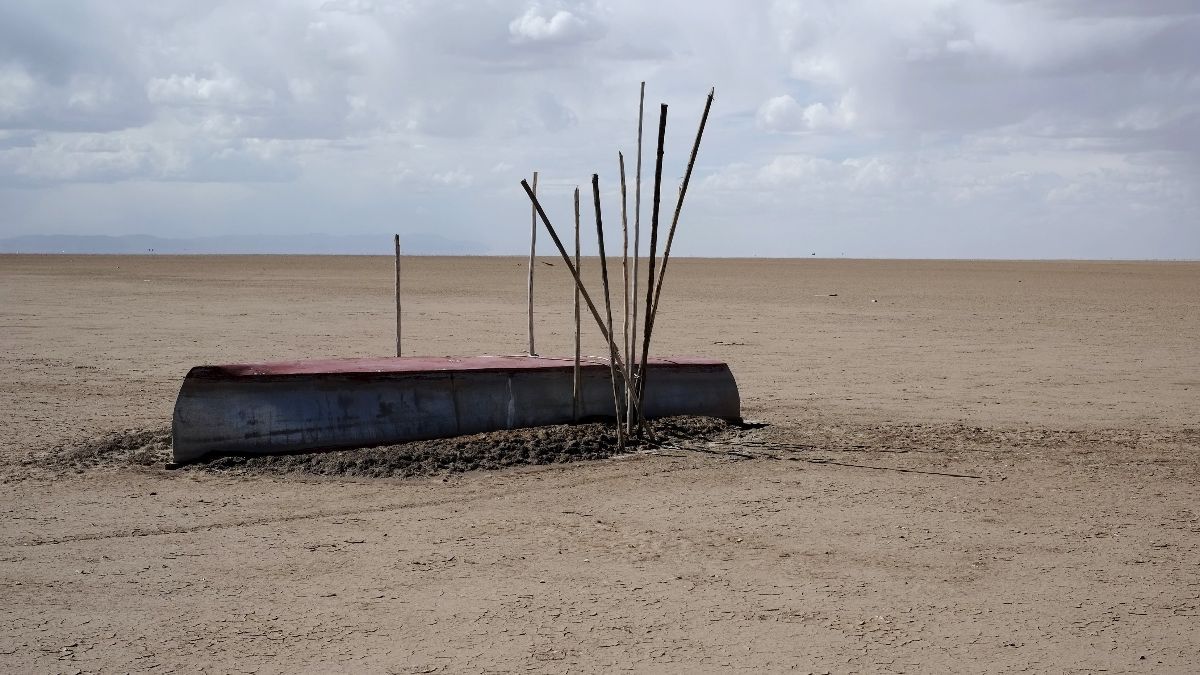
(275, 408)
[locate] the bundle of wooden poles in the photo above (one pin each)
(628, 379)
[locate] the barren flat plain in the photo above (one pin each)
(961, 466)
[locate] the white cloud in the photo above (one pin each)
(785, 114)
(781, 113)
(134, 156)
(349, 6)
(220, 90)
(962, 66)
(454, 177)
(423, 179)
(16, 90)
(89, 93)
(538, 24)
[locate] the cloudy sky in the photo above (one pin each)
(909, 128)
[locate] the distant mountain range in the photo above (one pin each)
(320, 244)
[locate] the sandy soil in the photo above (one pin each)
(967, 466)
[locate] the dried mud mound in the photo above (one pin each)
(492, 450)
(136, 447)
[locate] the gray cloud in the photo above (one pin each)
(909, 128)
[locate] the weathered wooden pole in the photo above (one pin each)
(654, 208)
(687, 176)
(396, 239)
(576, 379)
(612, 344)
(637, 244)
(626, 336)
(532, 262)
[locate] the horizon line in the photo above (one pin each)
(521, 256)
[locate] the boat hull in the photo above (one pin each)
(277, 408)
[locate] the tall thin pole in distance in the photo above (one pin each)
(612, 341)
(576, 380)
(637, 243)
(396, 240)
(532, 253)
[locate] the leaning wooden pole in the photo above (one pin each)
(687, 176)
(396, 239)
(626, 336)
(654, 208)
(532, 262)
(637, 245)
(576, 379)
(587, 298)
(612, 344)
